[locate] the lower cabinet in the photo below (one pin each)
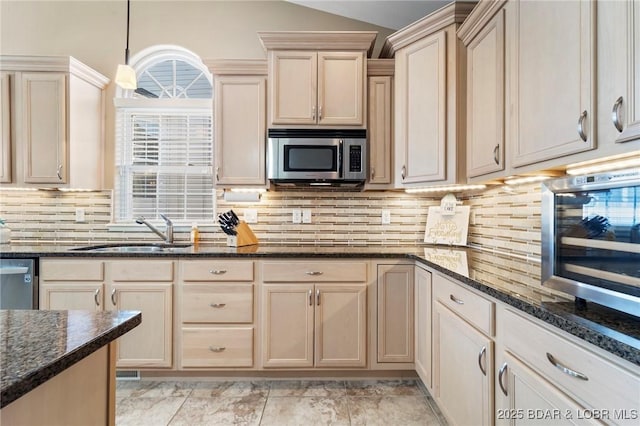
(314, 325)
(422, 325)
(95, 284)
(217, 347)
(395, 317)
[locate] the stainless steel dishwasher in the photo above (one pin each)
(18, 284)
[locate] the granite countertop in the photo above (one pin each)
(513, 280)
(37, 345)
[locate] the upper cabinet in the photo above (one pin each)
(380, 123)
(317, 78)
(52, 122)
(429, 98)
(240, 121)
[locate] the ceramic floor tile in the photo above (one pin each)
(229, 389)
(147, 411)
(306, 411)
(197, 411)
(391, 410)
(319, 388)
(155, 389)
(383, 388)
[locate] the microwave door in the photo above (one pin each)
(311, 160)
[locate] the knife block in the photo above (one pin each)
(244, 236)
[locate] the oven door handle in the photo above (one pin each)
(340, 158)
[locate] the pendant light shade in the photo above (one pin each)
(126, 75)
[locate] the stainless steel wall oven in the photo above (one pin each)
(591, 238)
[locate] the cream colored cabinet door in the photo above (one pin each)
(149, 344)
(287, 325)
(341, 88)
(43, 132)
(340, 325)
(485, 99)
(293, 87)
(552, 79)
(463, 370)
(6, 146)
(379, 129)
(529, 399)
(420, 111)
(240, 130)
(72, 296)
(422, 325)
(618, 74)
(395, 313)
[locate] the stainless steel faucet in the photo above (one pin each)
(167, 236)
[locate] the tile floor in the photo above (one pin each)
(275, 402)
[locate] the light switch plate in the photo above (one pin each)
(296, 216)
(306, 216)
(385, 217)
(80, 214)
(251, 215)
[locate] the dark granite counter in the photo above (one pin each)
(37, 345)
(512, 280)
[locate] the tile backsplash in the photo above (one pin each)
(503, 218)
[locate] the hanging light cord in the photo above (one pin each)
(126, 50)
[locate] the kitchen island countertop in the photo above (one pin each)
(35, 345)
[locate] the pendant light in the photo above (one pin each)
(126, 76)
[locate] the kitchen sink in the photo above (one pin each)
(133, 247)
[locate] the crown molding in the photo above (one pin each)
(53, 64)
(236, 66)
(478, 18)
(318, 40)
(453, 13)
(380, 67)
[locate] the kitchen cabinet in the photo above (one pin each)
(429, 99)
(143, 285)
(216, 314)
(395, 287)
(422, 325)
(380, 123)
(463, 360)
(618, 72)
(240, 122)
(314, 314)
(551, 94)
(52, 122)
(5, 129)
(317, 78)
(560, 374)
(485, 92)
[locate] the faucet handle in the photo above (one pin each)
(166, 219)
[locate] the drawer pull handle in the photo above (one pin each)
(217, 271)
(500, 377)
(217, 305)
(455, 299)
(482, 355)
(581, 120)
(310, 297)
(318, 297)
(95, 297)
(113, 297)
(496, 154)
(566, 370)
(615, 115)
(217, 348)
(313, 273)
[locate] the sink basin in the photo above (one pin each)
(133, 247)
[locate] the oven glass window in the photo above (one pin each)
(598, 236)
(301, 158)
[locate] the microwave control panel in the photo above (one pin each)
(355, 158)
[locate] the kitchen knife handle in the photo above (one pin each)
(217, 271)
(615, 114)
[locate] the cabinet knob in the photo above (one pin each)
(615, 115)
(581, 120)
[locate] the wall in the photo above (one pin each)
(505, 219)
(94, 31)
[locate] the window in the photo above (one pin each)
(164, 140)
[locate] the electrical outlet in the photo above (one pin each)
(251, 215)
(306, 216)
(386, 217)
(296, 216)
(80, 213)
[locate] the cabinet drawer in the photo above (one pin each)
(71, 270)
(314, 271)
(141, 270)
(224, 303)
(217, 347)
(217, 270)
(470, 306)
(604, 385)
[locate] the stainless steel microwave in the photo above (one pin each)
(317, 157)
(591, 238)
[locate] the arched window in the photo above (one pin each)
(164, 139)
